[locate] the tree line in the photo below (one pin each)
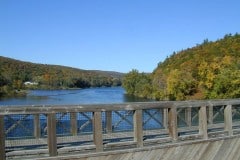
(14, 73)
(210, 70)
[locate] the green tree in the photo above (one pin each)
(180, 85)
(139, 84)
(130, 81)
(226, 84)
(143, 86)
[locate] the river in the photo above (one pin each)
(72, 96)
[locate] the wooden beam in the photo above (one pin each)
(73, 121)
(2, 138)
(37, 128)
(51, 130)
(228, 119)
(172, 123)
(138, 129)
(165, 117)
(210, 114)
(188, 116)
(44, 109)
(108, 121)
(97, 131)
(203, 122)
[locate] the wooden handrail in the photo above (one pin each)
(37, 109)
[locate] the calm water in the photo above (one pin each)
(76, 96)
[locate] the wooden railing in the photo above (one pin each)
(39, 130)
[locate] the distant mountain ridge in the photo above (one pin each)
(13, 74)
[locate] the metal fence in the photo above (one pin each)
(30, 131)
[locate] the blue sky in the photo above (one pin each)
(113, 35)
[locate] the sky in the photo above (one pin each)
(111, 35)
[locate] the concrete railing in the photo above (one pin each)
(112, 126)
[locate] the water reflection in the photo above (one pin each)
(130, 98)
(76, 96)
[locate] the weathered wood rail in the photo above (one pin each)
(52, 131)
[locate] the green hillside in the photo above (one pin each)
(14, 73)
(206, 71)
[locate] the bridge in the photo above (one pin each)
(142, 130)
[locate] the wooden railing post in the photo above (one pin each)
(210, 114)
(188, 116)
(165, 117)
(73, 121)
(172, 123)
(138, 129)
(109, 121)
(37, 128)
(228, 119)
(97, 131)
(2, 138)
(203, 122)
(51, 130)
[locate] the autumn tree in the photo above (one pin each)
(207, 70)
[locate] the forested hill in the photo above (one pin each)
(206, 71)
(14, 73)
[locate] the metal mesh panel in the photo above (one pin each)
(121, 127)
(195, 116)
(152, 119)
(63, 124)
(218, 114)
(187, 117)
(236, 113)
(21, 134)
(19, 126)
(181, 117)
(84, 122)
(74, 129)
(236, 118)
(43, 125)
(107, 118)
(122, 121)
(153, 123)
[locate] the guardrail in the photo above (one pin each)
(55, 130)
